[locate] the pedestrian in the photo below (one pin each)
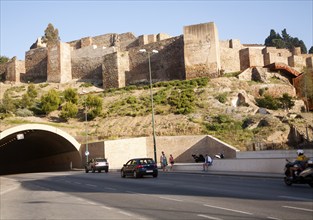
(163, 161)
(207, 162)
(171, 160)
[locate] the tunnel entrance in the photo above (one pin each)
(37, 148)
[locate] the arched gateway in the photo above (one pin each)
(37, 147)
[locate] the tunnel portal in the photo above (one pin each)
(37, 148)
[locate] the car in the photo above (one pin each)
(139, 167)
(97, 164)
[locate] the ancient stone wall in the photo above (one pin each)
(250, 57)
(14, 70)
(297, 62)
(230, 59)
(36, 65)
(309, 61)
(201, 50)
(114, 67)
(87, 62)
(167, 64)
(244, 59)
(120, 41)
(59, 63)
(3, 67)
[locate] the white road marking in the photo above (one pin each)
(8, 190)
(209, 217)
(273, 218)
(291, 207)
(295, 198)
(232, 210)
(125, 213)
(91, 185)
(91, 203)
(132, 192)
(172, 199)
(106, 207)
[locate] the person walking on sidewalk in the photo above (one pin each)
(163, 161)
(171, 160)
(207, 162)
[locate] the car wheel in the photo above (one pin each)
(86, 170)
(99, 171)
(155, 175)
(106, 170)
(122, 174)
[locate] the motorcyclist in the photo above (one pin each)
(299, 164)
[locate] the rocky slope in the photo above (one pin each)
(245, 125)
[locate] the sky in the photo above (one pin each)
(250, 21)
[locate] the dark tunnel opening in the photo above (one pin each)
(37, 151)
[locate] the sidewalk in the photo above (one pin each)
(231, 173)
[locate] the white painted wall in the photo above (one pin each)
(119, 152)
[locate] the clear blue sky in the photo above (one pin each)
(22, 22)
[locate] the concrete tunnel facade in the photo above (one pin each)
(37, 148)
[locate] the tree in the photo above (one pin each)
(4, 59)
(8, 104)
(94, 106)
(284, 41)
(31, 91)
(51, 35)
(311, 50)
(50, 101)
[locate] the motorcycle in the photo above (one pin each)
(299, 176)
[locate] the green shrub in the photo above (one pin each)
(69, 110)
(222, 97)
(71, 95)
(268, 102)
(23, 112)
(50, 101)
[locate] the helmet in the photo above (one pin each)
(300, 152)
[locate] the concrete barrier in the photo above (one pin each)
(255, 161)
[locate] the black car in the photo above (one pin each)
(97, 164)
(139, 167)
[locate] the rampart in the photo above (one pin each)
(114, 59)
(36, 65)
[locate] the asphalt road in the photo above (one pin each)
(78, 195)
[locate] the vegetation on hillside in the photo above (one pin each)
(200, 106)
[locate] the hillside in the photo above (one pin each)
(225, 107)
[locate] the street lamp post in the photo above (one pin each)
(151, 96)
(86, 130)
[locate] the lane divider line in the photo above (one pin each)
(209, 217)
(302, 209)
(125, 213)
(172, 199)
(232, 210)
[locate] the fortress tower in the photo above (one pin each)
(201, 51)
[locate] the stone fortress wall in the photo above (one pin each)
(114, 61)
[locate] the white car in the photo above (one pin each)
(97, 164)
